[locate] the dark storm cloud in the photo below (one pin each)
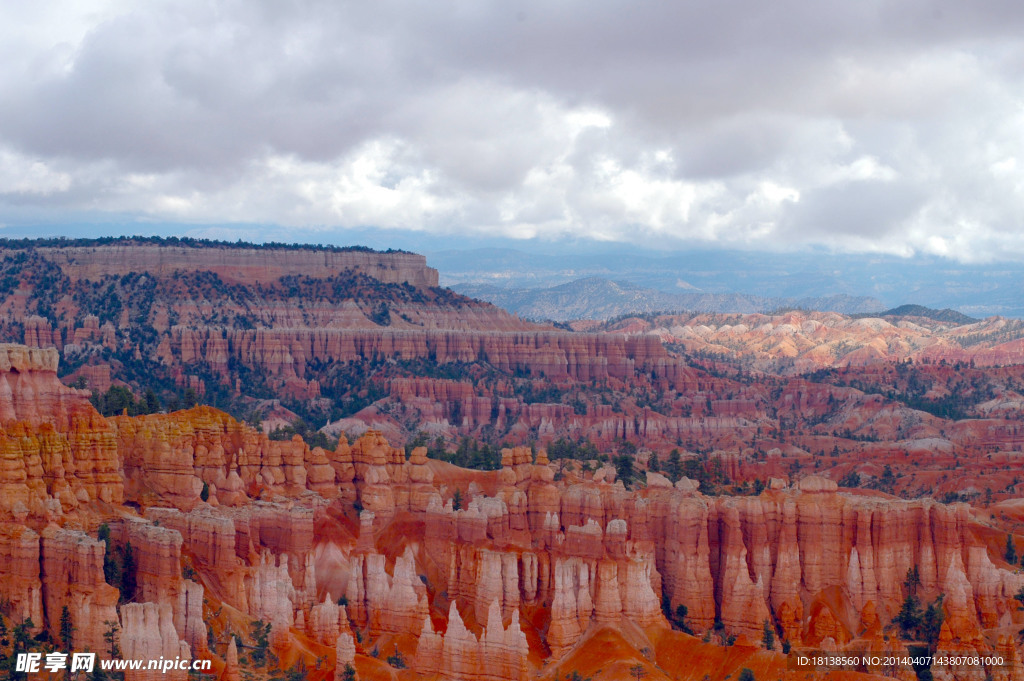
(863, 125)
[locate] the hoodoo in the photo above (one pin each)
(529, 569)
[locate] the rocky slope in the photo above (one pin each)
(528, 571)
(801, 341)
(743, 397)
(240, 322)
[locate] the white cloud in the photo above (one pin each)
(23, 175)
(858, 126)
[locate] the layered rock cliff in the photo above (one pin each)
(235, 264)
(525, 565)
(56, 452)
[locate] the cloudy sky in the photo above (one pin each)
(854, 126)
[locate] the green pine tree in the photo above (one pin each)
(67, 631)
(129, 574)
(110, 636)
(624, 469)
(768, 637)
(674, 466)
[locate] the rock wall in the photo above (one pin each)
(554, 355)
(71, 572)
(19, 563)
(237, 264)
(55, 450)
(147, 633)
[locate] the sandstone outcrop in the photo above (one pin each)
(386, 603)
(54, 447)
(801, 557)
(231, 668)
(806, 340)
(237, 264)
(209, 536)
(71, 573)
(19, 563)
(498, 654)
(344, 654)
(147, 633)
(540, 558)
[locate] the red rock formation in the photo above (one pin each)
(324, 623)
(387, 604)
(170, 458)
(72, 576)
(158, 575)
(741, 600)
(808, 340)
(377, 465)
(157, 553)
(19, 564)
(147, 633)
(53, 444)
(531, 566)
(421, 478)
(499, 654)
(345, 654)
(231, 670)
(236, 264)
(571, 606)
(282, 528)
(188, 617)
(270, 593)
(30, 391)
(319, 472)
(208, 535)
(578, 583)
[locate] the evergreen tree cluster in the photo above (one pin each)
(189, 242)
(119, 565)
(915, 622)
(470, 453)
(311, 436)
(579, 450)
(677, 617)
(706, 470)
(119, 400)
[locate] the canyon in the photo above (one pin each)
(475, 496)
(411, 568)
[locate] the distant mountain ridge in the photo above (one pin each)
(944, 315)
(600, 298)
(975, 289)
